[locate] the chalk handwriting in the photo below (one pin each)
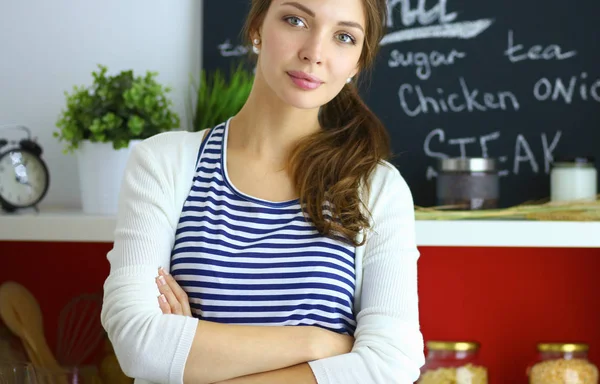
(419, 23)
(556, 90)
(462, 143)
(228, 50)
(421, 15)
(549, 149)
(483, 140)
(424, 62)
(463, 30)
(427, 146)
(536, 52)
(523, 153)
(436, 141)
(415, 102)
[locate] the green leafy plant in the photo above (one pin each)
(115, 109)
(219, 97)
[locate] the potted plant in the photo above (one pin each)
(219, 97)
(102, 122)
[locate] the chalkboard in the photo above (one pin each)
(517, 80)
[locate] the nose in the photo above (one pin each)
(312, 51)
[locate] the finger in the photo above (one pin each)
(164, 305)
(179, 293)
(164, 289)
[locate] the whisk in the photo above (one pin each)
(80, 331)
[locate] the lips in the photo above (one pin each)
(304, 76)
(304, 80)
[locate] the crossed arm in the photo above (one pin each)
(159, 347)
(233, 354)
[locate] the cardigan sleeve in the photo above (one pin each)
(388, 344)
(149, 345)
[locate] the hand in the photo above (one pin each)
(330, 343)
(173, 299)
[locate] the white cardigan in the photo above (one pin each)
(152, 347)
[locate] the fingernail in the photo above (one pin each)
(162, 271)
(162, 298)
(162, 280)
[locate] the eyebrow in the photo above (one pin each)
(307, 10)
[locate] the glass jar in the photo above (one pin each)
(573, 178)
(562, 363)
(467, 184)
(453, 362)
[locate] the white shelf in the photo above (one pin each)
(74, 226)
(56, 225)
(509, 233)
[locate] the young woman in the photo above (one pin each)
(279, 246)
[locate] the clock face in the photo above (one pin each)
(23, 178)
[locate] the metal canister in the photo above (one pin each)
(468, 183)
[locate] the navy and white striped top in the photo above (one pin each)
(244, 260)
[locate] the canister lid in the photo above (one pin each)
(437, 345)
(573, 162)
(468, 164)
(575, 159)
(562, 347)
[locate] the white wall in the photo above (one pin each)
(46, 47)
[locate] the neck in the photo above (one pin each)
(267, 128)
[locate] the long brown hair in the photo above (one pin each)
(328, 167)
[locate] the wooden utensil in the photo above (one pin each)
(22, 315)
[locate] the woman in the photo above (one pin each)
(286, 214)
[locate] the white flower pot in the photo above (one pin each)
(101, 169)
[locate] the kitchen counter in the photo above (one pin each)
(60, 225)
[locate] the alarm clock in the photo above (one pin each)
(24, 176)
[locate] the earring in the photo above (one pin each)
(254, 47)
(349, 80)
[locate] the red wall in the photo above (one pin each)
(506, 298)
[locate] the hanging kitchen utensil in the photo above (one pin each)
(80, 331)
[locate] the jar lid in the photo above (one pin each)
(467, 164)
(562, 347)
(436, 345)
(575, 159)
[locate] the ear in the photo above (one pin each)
(252, 35)
(256, 34)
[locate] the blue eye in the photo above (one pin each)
(294, 18)
(349, 39)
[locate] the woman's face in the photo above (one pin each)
(317, 39)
